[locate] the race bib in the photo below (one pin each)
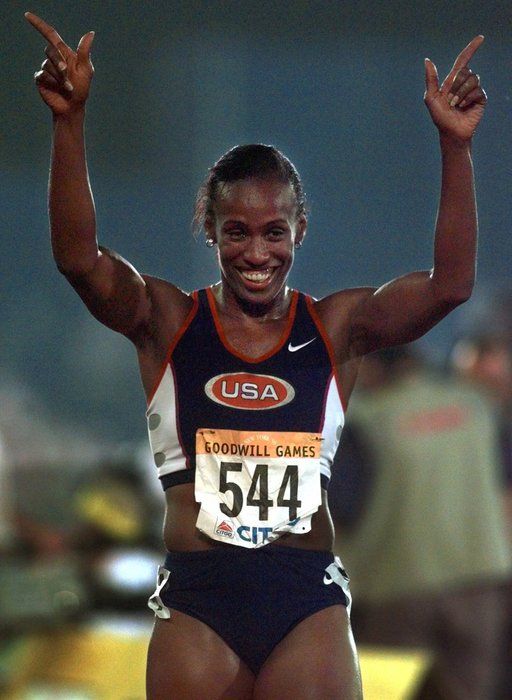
(253, 486)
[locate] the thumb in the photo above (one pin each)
(84, 47)
(431, 78)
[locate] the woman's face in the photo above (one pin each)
(255, 226)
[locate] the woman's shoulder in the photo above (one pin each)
(342, 299)
(170, 305)
(166, 293)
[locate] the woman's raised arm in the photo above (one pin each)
(407, 307)
(112, 289)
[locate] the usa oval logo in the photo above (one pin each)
(250, 392)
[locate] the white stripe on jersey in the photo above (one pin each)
(163, 429)
(331, 430)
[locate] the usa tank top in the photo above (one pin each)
(205, 382)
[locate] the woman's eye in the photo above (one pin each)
(276, 233)
(235, 233)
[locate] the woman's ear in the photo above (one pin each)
(302, 225)
(209, 227)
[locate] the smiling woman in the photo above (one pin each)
(252, 204)
(255, 224)
(250, 586)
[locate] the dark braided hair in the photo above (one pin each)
(254, 160)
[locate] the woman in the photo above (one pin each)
(246, 385)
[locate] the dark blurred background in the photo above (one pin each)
(337, 86)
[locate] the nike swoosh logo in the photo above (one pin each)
(294, 348)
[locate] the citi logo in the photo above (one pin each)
(253, 392)
(225, 530)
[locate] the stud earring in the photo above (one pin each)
(297, 245)
(210, 242)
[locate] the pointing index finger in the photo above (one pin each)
(49, 33)
(466, 54)
(461, 61)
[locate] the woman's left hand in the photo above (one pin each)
(458, 105)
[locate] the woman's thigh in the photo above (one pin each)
(317, 660)
(187, 660)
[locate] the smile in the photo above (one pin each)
(256, 276)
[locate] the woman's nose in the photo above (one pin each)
(256, 251)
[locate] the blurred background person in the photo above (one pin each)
(428, 552)
(117, 534)
(79, 543)
(484, 358)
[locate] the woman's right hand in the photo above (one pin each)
(65, 75)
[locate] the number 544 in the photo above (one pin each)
(258, 491)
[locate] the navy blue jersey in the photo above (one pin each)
(206, 383)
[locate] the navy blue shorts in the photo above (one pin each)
(251, 598)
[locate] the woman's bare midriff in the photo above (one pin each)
(181, 534)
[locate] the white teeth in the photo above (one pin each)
(256, 275)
